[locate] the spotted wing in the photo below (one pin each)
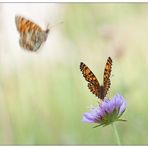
(24, 25)
(93, 84)
(106, 77)
(31, 35)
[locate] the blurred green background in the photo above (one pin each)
(42, 101)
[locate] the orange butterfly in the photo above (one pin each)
(93, 85)
(31, 35)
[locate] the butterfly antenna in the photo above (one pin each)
(52, 26)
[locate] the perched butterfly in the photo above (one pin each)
(93, 85)
(31, 35)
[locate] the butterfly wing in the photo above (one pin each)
(24, 25)
(106, 76)
(93, 84)
(31, 35)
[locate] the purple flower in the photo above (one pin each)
(107, 112)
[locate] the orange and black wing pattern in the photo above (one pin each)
(24, 25)
(106, 76)
(93, 84)
(31, 35)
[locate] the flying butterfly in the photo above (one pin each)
(31, 35)
(93, 84)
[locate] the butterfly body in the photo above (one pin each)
(31, 35)
(99, 90)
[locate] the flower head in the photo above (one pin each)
(107, 112)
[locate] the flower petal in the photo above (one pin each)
(87, 117)
(119, 101)
(122, 108)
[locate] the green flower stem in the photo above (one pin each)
(116, 133)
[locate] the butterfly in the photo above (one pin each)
(93, 84)
(31, 35)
